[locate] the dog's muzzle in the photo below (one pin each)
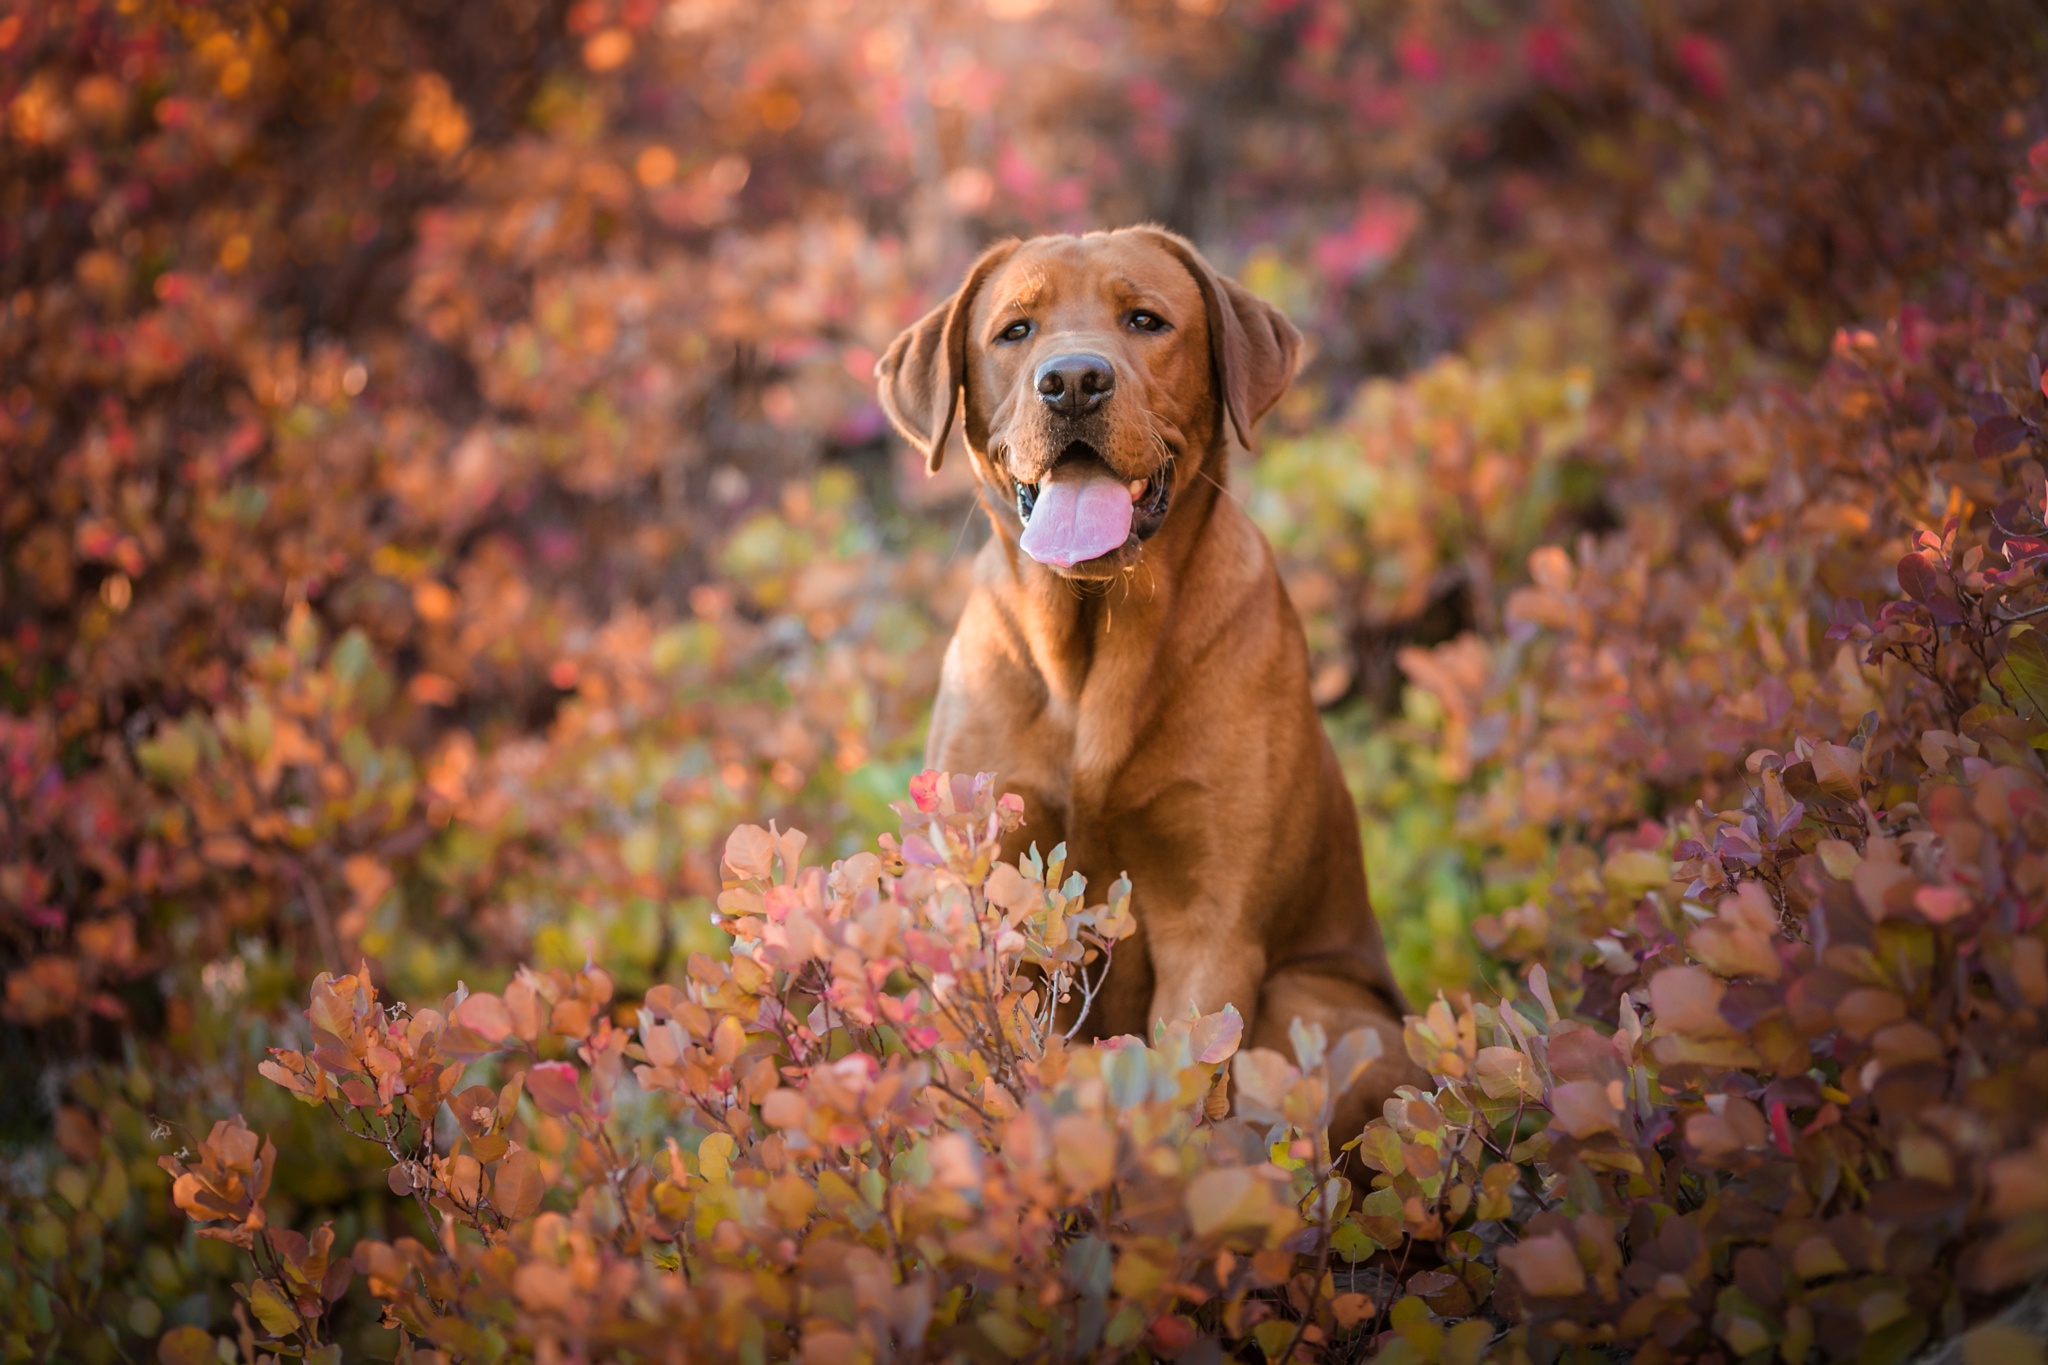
(1148, 509)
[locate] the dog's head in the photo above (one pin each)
(1099, 372)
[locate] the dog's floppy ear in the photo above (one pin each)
(918, 379)
(1252, 345)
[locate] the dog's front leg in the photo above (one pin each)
(1202, 961)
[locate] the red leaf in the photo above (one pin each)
(1997, 435)
(1781, 1127)
(1918, 577)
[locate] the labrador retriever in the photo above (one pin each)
(1128, 661)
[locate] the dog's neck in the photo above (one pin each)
(1079, 631)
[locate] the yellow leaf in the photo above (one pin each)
(1496, 1192)
(1274, 1336)
(714, 1157)
(1632, 871)
(728, 1039)
(1466, 1343)
(1816, 1257)
(1503, 1072)
(272, 1309)
(1744, 1335)
(1839, 857)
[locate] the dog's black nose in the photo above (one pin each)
(1076, 383)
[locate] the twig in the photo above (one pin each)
(323, 924)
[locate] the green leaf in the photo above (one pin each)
(170, 756)
(1087, 1266)
(1351, 1242)
(352, 658)
(1407, 1312)
(1125, 1326)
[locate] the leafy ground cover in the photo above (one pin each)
(443, 500)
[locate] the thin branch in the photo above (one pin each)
(2027, 615)
(1089, 992)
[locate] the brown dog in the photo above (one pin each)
(1129, 662)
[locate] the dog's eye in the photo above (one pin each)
(1016, 331)
(1146, 321)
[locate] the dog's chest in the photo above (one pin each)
(1059, 715)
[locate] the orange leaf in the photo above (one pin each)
(1547, 1266)
(517, 1188)
(487, 1014)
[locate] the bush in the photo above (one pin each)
(863, 1132)
(1794, 1106)
(449, 499)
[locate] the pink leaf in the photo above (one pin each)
(485, 1013)
(1216, 1036)
(553, 1088)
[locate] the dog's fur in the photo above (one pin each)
(1152, 706)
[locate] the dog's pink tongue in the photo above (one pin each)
(1077, 519)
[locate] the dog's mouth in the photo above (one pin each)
(1082, 514)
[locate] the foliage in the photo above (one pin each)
(877, 1134)
(1808, 1122)
(444, 497)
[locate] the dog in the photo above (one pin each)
(1128, 661)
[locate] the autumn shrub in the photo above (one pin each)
(863, 1132)
(1809, 1126)
(440, 497)
(1770, 1087)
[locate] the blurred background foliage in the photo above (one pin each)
(441, 489)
